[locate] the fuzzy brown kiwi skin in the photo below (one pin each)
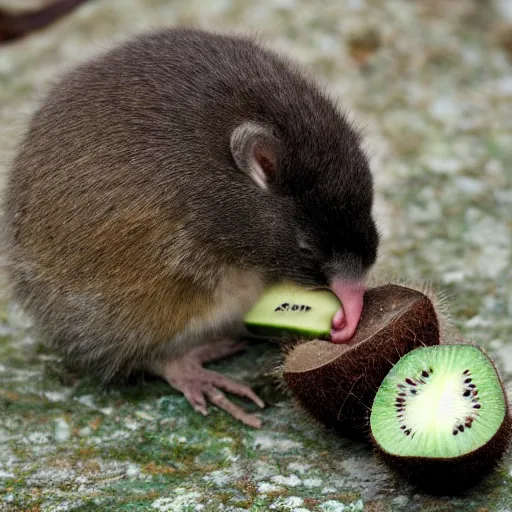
(446, 476)
(340, 392)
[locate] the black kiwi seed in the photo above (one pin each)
(425, 374)
(467, 392)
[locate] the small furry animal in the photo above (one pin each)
(162, 185)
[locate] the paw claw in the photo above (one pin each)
(199, 385)
(201, 410)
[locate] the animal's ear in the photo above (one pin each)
(255, 151)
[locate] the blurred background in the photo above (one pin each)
(429, 82)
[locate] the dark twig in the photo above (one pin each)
(17, 25)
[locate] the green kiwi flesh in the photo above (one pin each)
(287, 309)
(336, 383)
(441, 415)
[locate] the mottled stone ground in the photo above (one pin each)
(431, 84)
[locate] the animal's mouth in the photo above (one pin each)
(346, 319)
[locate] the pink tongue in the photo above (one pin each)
(345, 321)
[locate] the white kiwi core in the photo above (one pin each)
(439, 402)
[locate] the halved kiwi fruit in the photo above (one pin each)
(287, 309)
(336, 383)
(441, 417)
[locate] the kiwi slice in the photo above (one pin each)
(336, 383)
(442, 417)
(287, 309)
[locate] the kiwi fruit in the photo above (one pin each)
(441, 417)
(336, 383)
(287, 309)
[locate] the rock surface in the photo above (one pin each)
(430, 83)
